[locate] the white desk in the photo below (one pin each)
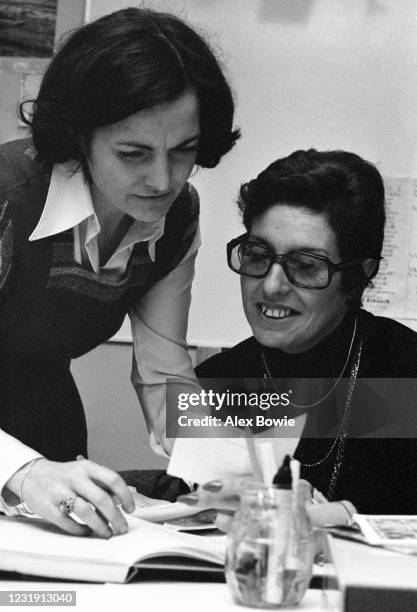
(152, 597)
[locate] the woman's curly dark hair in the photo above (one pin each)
(346, 188)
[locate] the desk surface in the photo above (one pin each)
(155, 596)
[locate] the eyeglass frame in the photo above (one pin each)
(332, 267)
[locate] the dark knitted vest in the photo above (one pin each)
(52, 309)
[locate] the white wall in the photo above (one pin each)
(322, 73)
(117, 433)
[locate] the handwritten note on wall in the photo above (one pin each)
(394, 293)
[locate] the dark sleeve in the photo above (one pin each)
(241, 361)
(379, 476)
(389, 349)
(155, 483)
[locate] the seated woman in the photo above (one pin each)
(314, 232)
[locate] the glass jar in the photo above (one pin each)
(270, 551)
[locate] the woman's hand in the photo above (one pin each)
(221, 495)
(96, 492)
(331, 513)
(224, 496)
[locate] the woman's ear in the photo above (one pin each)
(370, 267)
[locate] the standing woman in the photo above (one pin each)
(96, 221)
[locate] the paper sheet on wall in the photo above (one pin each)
(394, 293)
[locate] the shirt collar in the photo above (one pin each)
(139, 232)
(69, 202)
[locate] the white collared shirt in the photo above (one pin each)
(69, 205)
(159, 320)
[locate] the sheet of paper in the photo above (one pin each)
(200, 460)
(395, 288)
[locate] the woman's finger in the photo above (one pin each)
(66, 523)
(318, 497)
(100, 510)
(217, 494)
(111, 482)
(93, 519)
(221, 493)
(225, 487)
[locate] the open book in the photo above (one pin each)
(32, 546)
(388, 530)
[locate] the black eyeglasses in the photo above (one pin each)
(249, 257)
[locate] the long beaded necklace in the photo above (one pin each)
(341, 435)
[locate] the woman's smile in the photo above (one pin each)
(276, 312)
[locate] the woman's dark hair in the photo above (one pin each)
(124, 62)
(348, 189)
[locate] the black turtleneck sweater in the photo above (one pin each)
(378, 467)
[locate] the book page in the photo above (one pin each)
(33, 546)
(388, 530)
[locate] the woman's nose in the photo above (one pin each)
(276, 281)
(158, 177)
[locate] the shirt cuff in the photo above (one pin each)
(17, 510)
(156, 446)
(14, 455)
